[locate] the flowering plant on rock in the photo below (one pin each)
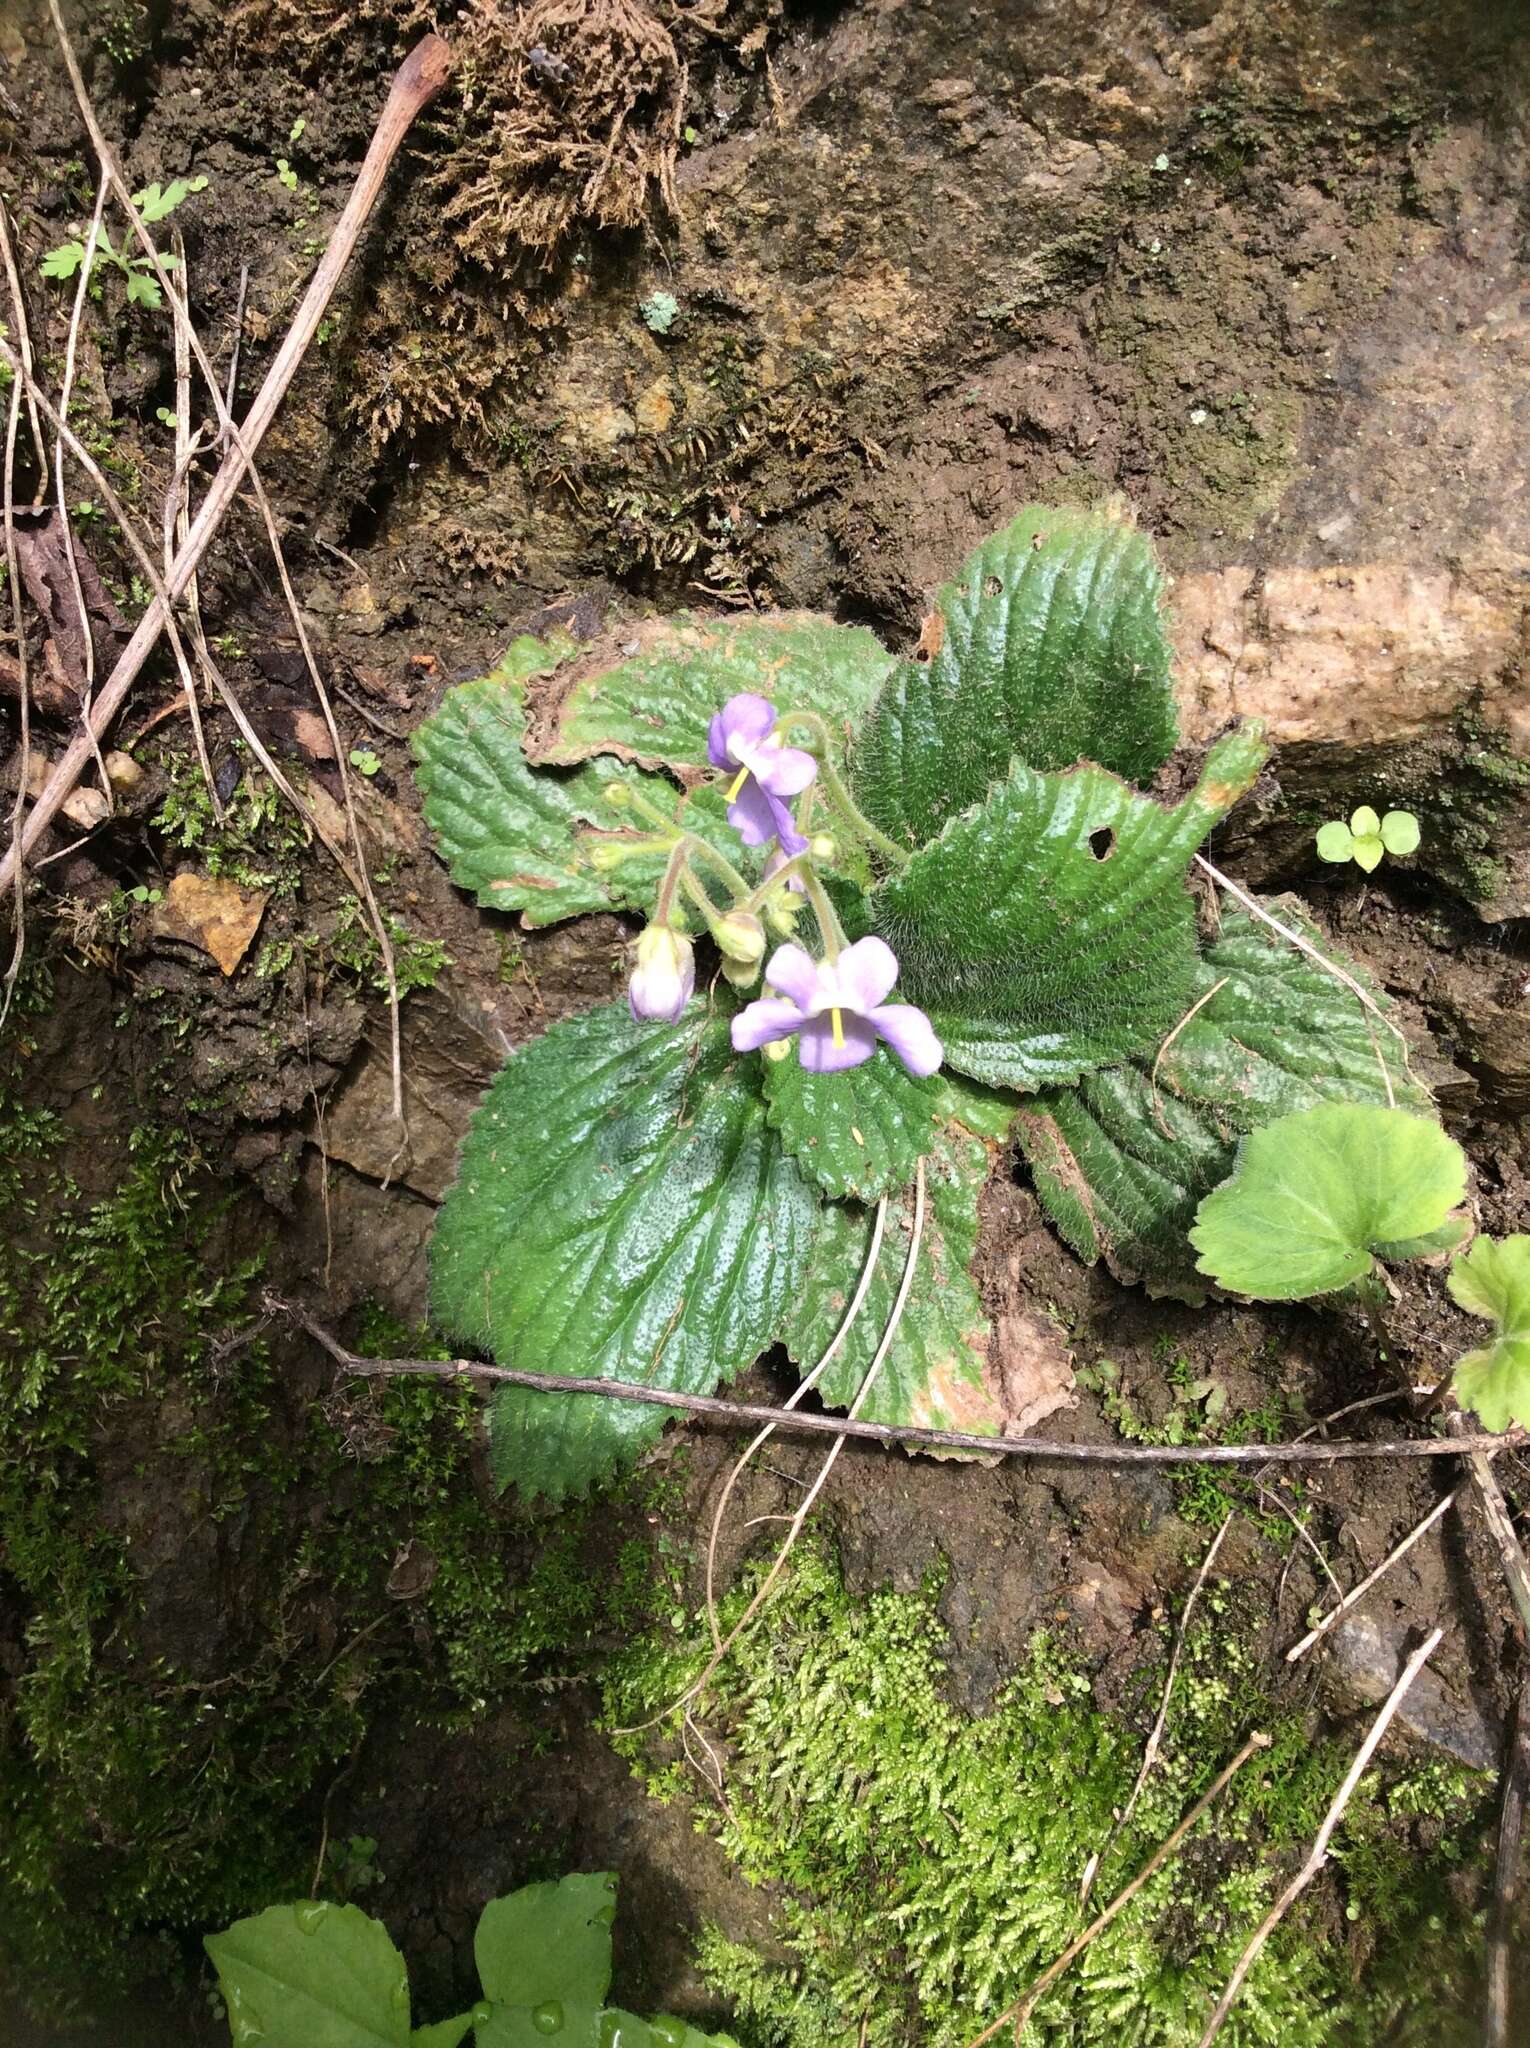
(892, 913)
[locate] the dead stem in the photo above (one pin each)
(419, 78)
(1496, 2031)
(65, 392)
(1021, 2010)
(841, 1429)
(1150, 1755)
(1306, 947)
(1351, 1599)
(1318, 1854)
(186, 336)
(847, 1323)
(795, 1423)
(1198, 1005)
(13, 583)
(1495, 1511)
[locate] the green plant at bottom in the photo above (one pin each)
(930, 1861)
(309, 1973)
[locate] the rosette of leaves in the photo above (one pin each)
(318, 1975)
(638, 1202)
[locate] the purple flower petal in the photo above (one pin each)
(792, 841)
(910, 1034)
(819, 1053)
(795, 974)
(785, 771)
(865, 973)
(768, 1019)
(753, 814)
(747, 718)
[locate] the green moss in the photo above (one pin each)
(930, 1862)
(260, 841)
(195, 1601)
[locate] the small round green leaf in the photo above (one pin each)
(1335, 841)
(1315, 1195)
(1493, 1280)
(1399, 832)
(1368, 852)
(1365, 824)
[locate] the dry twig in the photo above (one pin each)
(1021, 2010)
(794, 1423)
(1155, 1739)
(419, 78)
(1506, 1877)
(847, 1323)
(1318, 1854)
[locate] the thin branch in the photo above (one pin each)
(841, 1430)
(66, 390)
(1496, 2031)
(1495, 1511)
(1155, 1739)
(1356, 1594)
(1305, 946)
(1021, 2010)
(1318, 1854)
(810, 1380)
(419, 78)
(797, 1424)
(23, 681)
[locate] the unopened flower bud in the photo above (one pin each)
(778, 1049)
(781, 913)
(740, 938)
(618, 795)
(663, 976)
(823, 846)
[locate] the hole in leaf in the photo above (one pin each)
(992, 586)
(1102, 844)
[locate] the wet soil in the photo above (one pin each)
(1259, 267)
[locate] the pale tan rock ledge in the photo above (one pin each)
(1349, 655)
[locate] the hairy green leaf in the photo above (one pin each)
(860, 1132)
(543, 841)
(1314, 1195)
(1122, 1160)
(1050, 647)
(312, 1975)
(1493, 1279)
(623, 1211)
(655, 706)
(933, 1375)
(1049, 930)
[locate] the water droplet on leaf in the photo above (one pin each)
(548, 2018)
(669, 2030)
(310, 1914)
(482, 2013)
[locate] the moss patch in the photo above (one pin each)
(929, 1863)
(214, 1578)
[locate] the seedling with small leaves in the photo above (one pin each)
(1366, 838)
(364, 761)
(1316, 1197)
(1492, 1279)
(154, 203)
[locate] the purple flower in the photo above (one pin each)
(836, 1007)
(743, 736)
(664, 976)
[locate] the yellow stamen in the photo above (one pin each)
(736, 785)
(837, 1024)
